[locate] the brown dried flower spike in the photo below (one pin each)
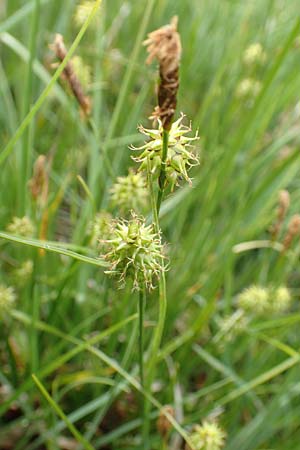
(60, 50)
(283, 206)
(292, 232)
(164, 45)
(39, 183)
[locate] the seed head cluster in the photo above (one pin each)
(130, 192)
(248, 88)
(134, 251)
(180, 158)
(263, 300)
(21, 226)
(231, 326)
(23, 273)
(254, 54)
(7, 299)
(83, 11)
(100, 228)
(208, 436)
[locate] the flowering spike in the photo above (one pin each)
(179, 157)
(134, 251)
(69, 74)
(7, 299)
(21, 226)
(265, 300)
(130, 192)
(208, 436)
(164, 45)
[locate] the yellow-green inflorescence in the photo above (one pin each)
(254, 54)
(208, 436)
(231, 326)
(83, 11)
(180, 157)
(248, 88)
(21, 226)
(100, 228)
(134, 251)
(7, 299)
(130, 192)
(23, 273)
(265, 300)
(82, 70)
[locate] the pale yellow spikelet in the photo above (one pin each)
(207, 436)
(7, 299)
(83, 11)
(21, 226)
(254, 54)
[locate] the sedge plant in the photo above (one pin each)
(232, 259)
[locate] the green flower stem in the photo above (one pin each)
(162, 175)
(142, 298)
(156, 341)
(27, 143)
(141, 309)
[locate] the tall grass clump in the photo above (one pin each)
(149, 279)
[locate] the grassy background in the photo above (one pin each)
(248, 153)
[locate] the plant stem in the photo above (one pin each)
(141, 309)
(162, 283)
(27, 143)
(156, 340)
(141, 335)
(162, 175)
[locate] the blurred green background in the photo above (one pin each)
(239, 86)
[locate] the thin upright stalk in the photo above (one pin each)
(162, 284)
(34, 332)
(162, 175)
(27, 142)
(141, 309)
(156, 340)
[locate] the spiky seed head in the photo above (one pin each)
(280, 299)
(254, 54)
(22, 273)
(207, 436)
(265, 300)
(130, 192)
(21, 226)
(7, 299)
(134, 251)
(180, 157)
(254, 298)
(83, 11)
(100, 228)
(248, 88)
(231, 326)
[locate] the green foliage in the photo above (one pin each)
(71, 327)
